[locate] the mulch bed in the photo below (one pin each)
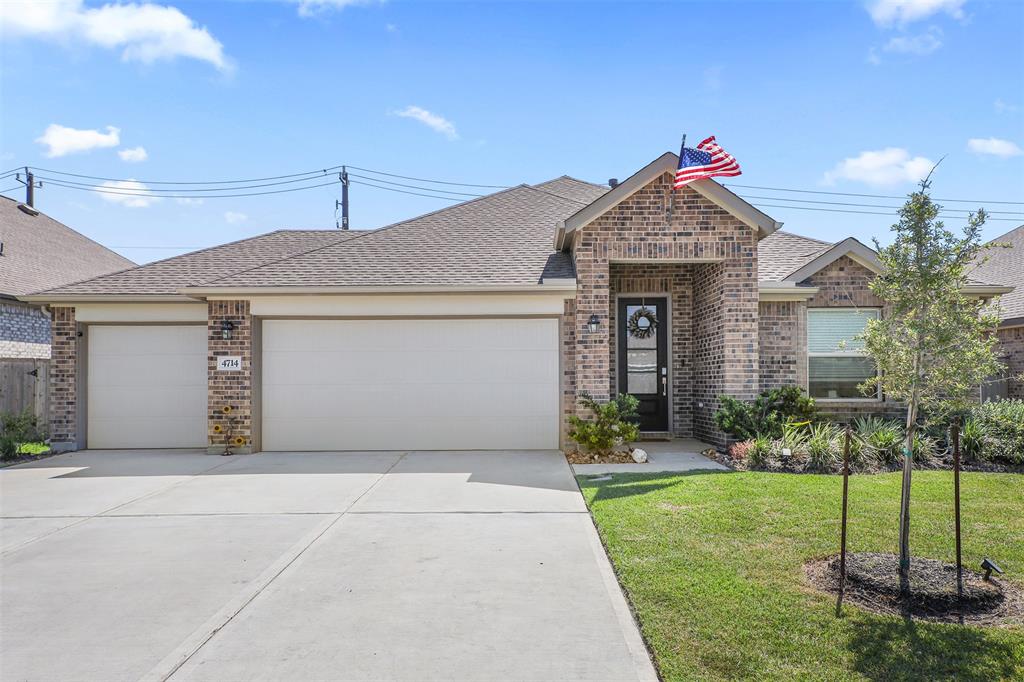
(616, 457)
(872, 583)
(22, 459)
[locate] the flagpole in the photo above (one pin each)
(672, 197)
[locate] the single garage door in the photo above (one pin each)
(446, 384)
(146, 386)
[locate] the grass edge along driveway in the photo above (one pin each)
(713, 565)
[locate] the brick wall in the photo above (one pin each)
(846, 283)
(63, 379)
(24, 331)
(230, 388)
(782, 327)
(1011, 351)
(675, 281)
(724, 322)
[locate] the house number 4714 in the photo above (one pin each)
(229, 363)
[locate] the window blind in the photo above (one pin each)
(828, 328)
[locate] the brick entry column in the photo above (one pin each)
(64, 379)
(233, 388)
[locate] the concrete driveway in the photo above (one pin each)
(301, 566)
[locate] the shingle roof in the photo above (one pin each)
(571, 188)
(39, 252)
(1005, 266)
(780, 254)
(166, 277)
(500, 239)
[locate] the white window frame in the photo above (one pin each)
(877, 398)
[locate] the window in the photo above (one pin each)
(836, 363)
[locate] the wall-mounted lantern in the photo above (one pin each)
(226, 327)
(594, 324)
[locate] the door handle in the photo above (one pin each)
(664, 385)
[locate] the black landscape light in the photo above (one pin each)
(594, 323)
(988, 566)
(225, 328)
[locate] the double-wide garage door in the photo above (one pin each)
(399, 384)
(146, 386)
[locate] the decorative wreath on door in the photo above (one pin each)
(642, 323)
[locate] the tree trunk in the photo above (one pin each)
(908, 461)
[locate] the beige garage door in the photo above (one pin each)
(146, 386)
(410, 384)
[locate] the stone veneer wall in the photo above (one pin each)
(675, 280)
(63, 378)
(568, 368)
(725, 335)
(24, 331)
(230, 388)
(1011, 350)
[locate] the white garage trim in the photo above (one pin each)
(410, 384)
(398, 305)
(141, 312)
(146, 386)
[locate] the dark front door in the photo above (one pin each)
(643, 358)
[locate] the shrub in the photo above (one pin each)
(8, 447)
(824, 448)
(882, 438)
(21, 427)
(973, 440)
(770, 411)
(924, 449)
(613, 424)
(760, 452)
(740, 451)
(1003, 423)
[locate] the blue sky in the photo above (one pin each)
(844, 97)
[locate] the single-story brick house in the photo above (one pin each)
(37, 252)
(1005, 263)
(473, 327)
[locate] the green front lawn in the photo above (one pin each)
(713, 562)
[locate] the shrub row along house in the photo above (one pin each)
(473, 327)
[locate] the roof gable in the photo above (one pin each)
(40, 252)
(849, 247)
(666, 163)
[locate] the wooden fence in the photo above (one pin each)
(23, 385)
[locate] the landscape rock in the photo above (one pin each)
(639, 456)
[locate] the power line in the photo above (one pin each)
(436, 182)
(888, 213)
(186, 189)
(402, 191)
(104, 190)
(425, 189)
(313, 173)
(5, 191)
(868, 196)
(842, 203)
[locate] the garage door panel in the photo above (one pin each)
(146, 386)
(400, 384)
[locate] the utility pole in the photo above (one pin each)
(343, 176)
(30, 187)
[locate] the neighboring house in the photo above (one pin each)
(37, 252)
(1005, 264)
(473, 327)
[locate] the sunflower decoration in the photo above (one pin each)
(217, 428)
(642, 323)
(238, 441)
(227, 409)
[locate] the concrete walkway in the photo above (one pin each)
(330, 566)
(681, 454)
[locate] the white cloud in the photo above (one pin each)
(133, 155)
(994, 147)
(130, 193)
(185, 201)
(431, 120)
(886, 13)
(61, 140)
(1003, 107)
(234, 217)
(391, 28)
(921, 44)
(143, 32)
(309, 8)
(882, 168)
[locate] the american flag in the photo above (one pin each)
(706, 161)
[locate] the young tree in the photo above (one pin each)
(934, 346)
